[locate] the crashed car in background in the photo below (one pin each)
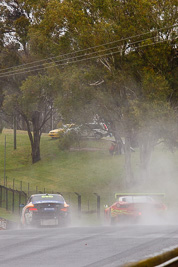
(87, 130)
(95, 130)
(136, 208)
(90, 130)
(45, 209)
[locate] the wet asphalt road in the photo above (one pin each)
(103, 246)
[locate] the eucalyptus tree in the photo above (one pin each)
(126, 39)
(121, 40)
(24, 93)
(33, 99)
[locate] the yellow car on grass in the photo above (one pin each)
(57, 133)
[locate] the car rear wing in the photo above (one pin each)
(155, 195)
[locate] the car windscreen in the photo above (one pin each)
(136, 199)
(47, 198)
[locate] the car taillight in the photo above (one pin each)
(164, 207)
(64, 209)
(32, 209)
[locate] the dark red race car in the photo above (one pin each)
(136, 208)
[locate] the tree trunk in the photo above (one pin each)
(36, 137)
(36, 151)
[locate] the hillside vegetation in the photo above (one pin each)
(65, 171)
(80, 170)
(87, 169)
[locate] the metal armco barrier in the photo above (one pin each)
(11, 199)
(168, 258)
(171, 263)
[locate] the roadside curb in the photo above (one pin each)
(156, 260)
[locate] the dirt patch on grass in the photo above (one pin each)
(87, 149)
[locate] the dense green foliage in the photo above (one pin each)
(113, 58)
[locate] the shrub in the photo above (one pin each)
(68, 139)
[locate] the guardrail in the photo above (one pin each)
(171, 263)
(11, 199)
(168, 258)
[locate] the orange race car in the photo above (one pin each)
(135, 208)
(45, 209)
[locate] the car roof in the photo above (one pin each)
(160, 195)
(136, 199)
(46, 194)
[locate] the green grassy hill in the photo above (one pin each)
(77, 170)
(83, 171)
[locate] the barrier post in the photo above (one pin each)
(98, 204)
(7, 198)
(13, 196)
(79, 204)
(20, 195)
(28, 189)
(0, 196)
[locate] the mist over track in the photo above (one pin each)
(85, 246)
